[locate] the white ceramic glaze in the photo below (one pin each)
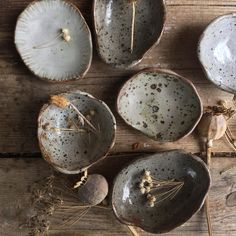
(72, 152)
(44, 51)
(160, 104)
(113, 27)
(217, 52)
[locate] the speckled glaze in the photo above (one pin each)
(113, 24)
(129, 204)
(160, 104)
(217, 52)
(71, 152)
(40, 23)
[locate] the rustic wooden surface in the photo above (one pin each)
(17, 175)
(22, 95)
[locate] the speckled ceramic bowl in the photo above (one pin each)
(42, 45)
(130, 205)
(113, 27)
(74, 151)
(161, 104)
(217, 52)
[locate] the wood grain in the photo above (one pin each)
(17, 175)
(22, 94)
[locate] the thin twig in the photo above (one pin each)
(84, 118)
(207, 205)
(133, 25)
(132, 230)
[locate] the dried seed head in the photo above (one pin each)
(65, 31)
(148, 189)
(147, 173)
(59, 101)
(143, 190)
(67, 38)
(212, 127)
(92, 113)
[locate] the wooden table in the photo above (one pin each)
(22, 95)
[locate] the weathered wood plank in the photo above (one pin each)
(17, 175)
(22, 94)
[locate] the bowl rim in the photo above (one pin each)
(146, 157)
(169, 72)
(200, 55)
(137, 61)
(106, 152)
(88, 32)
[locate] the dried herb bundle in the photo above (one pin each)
(158, 190)
(51, 195)
(63, 102)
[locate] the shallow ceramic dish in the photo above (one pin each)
(129, 203)
(66, 144)
(46, 50)
(161, 104)
(113, 27)
(217, 52)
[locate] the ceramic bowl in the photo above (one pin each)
(129, 204)
(113, 28)
(46, 50)
(217, 52)
(65, 143)
(161, 104)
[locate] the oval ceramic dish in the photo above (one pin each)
(113, 27)
(54, 40)
(67, 142)
(161, 104)
(217, 52)
(130, 206)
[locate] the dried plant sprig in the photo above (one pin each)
(133, 2)
(83, 179)
(158, 190)
(64, 34)
(50, 195)
(63, 102)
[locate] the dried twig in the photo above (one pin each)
(133, 2)
(132, 230)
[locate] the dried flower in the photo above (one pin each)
(82, 179)
(60, 101)
(161, 189)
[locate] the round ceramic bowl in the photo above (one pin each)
(217, 52)
(160, 104)
(54, 40)
(113, 28)
(131, 207)
(67, 142)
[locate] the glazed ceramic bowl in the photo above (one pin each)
(217, 52)
(129, 204)
(113, 28)
(45, 49)
(65, 143)
(160, 104)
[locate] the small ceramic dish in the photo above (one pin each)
(161, 104)
(131, 206)
(54, 40)
(69, 143)
(217, 52)
(113, 28)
